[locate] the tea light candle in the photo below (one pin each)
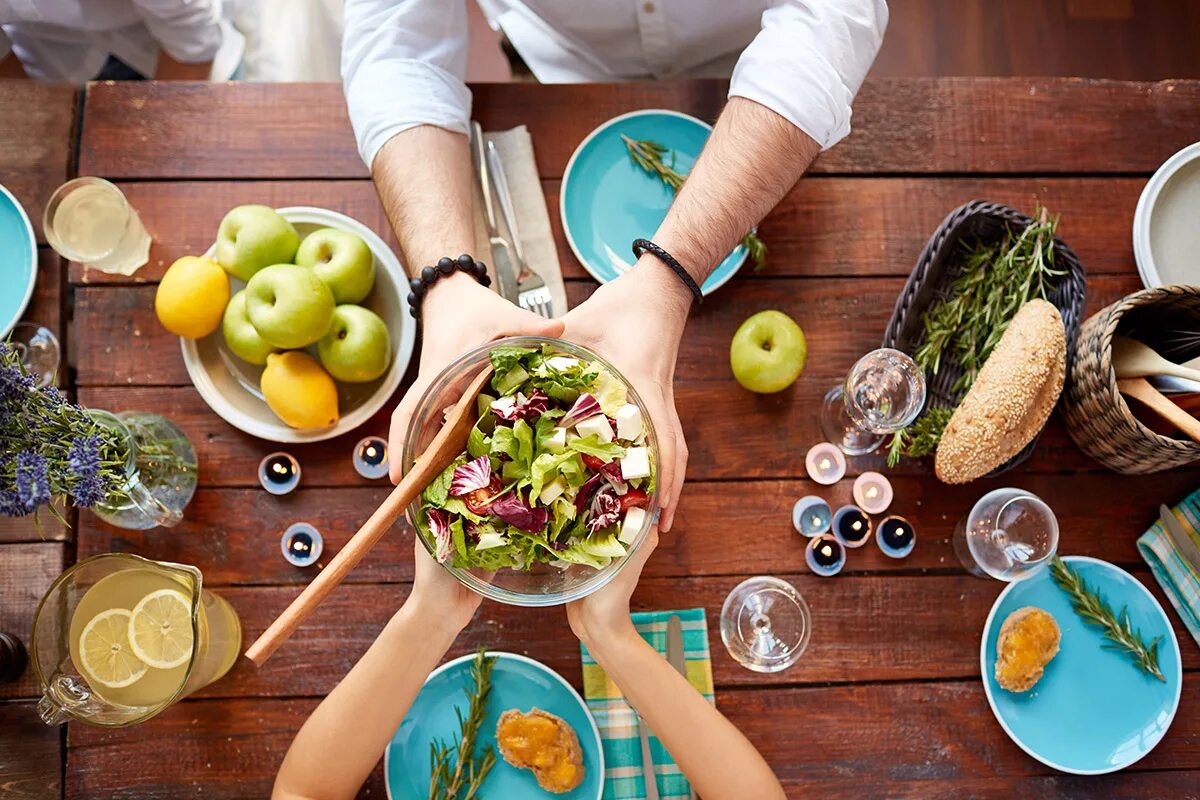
(371, 457)
(825, 555)
(895, 537)
(872, 492)
(826, 464)
(851, 526)
(279, 473)
(811, 516)
(302, 544)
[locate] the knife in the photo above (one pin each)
(648, 776)
(502, 262)
(676, 659)
(1187, 549)
(507, 211)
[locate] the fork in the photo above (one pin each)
(532, 292)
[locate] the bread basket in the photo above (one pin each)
(940, 263)
(1098, 418)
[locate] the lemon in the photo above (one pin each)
(192, 296)
(160, 629)
(105, 651)
(299, 391)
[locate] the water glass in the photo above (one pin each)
(39, 351)
(88, 220)
(882, 394)
(1009, 535)
(765, 624)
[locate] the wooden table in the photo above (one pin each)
(887, 701)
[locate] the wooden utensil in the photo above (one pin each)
(1132, 359)
(1141, 390)
(446, 445)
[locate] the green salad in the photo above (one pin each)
(557, 469)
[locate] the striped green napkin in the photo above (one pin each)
(1179, 582)
(617, 722)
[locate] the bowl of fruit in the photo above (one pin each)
(557, 482)
(293, 324)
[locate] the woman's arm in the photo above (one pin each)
(715, 757)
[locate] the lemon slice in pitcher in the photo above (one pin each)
(160, 629)
(105, 651)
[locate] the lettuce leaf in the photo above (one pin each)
(516, 443)
(458, 537)
(609, 391)
(478, 442)
(605, 451)
(549, 466)
(435, 493)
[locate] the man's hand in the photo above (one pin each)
(636, 323)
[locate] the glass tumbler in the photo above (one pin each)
(882, 394)
(88, 220)
(1009, 535)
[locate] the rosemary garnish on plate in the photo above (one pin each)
(1118, 630)
(456, 769)
(650, 155)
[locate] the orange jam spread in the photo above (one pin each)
(539, 742)
(1029, 644)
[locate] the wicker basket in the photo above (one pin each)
(940, 263)
(1098, 418)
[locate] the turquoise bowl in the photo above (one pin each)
(1094, 710)
(517, 682)
(18, 261)
(607, 201)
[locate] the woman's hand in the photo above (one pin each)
(458, 315)
(636, 322)
(604, 615)
(438, 599)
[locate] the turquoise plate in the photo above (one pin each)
(1093, 711)
(18, 261)
(607, 201)
(517, 682)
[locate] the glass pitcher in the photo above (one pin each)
(160, 471)
(117, 638)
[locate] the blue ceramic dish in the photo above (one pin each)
(1093, 711)
(607, 201)
(18, 261)
(517, 682)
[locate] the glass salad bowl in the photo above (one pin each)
(542, 584)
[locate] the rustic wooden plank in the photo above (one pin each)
(998, 125)
(45, 306)
(938, 738)
(26, 571)
(36, 142)
(825, 226)
(31, 754)
(233, 534)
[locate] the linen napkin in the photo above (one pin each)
(529, 204)
(623, 774)
(1178, 580)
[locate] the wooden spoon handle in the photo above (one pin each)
(1140, 389)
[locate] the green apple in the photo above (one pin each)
(768, 352)
(240, 335)
(342, 260)
(357, 348)
(253, 237)
(289, 306)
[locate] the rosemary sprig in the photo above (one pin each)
(456, 770)
(649, 155)
(920, 438)
(1118, 630)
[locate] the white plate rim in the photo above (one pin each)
(566, 178)
(1143, 255)
(283, 434)
(33, 266)
(987, 688)
(504, 654)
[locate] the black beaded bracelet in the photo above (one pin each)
(446, 266)
(646, 246)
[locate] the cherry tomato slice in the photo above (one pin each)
(479, 500)
(634, 498)
(592, 462)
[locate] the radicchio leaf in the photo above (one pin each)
(439, 526)
(586, 406)
(585, 492)
(606, 510)
(532, 406)
(612, 473)
(512, 509)
(471, 476)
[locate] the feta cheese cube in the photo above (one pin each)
(636, 463)
(557, 441)
(597, 425)
(562, 363)
(552, 490)
(629, 422)
(635, 518)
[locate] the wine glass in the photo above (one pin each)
(765, 624)
(883, 392)
(1009, 535)
(39, 351)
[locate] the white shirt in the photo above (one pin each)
(69, 40)
(404, 61)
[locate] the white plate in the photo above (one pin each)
(1143, 254)
(230, 385)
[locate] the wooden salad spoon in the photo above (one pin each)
(444, 448)
(1133, 359)
(1141, 390)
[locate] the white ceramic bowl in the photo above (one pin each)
(230, 385)
(1164, 185)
